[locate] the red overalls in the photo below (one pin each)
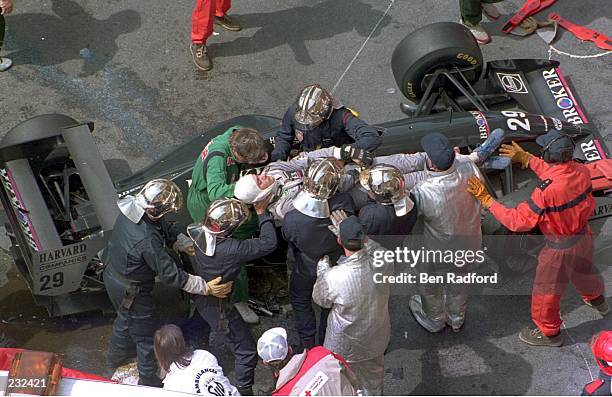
(204, 16)
(561, 206)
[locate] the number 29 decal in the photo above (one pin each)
(516, 120)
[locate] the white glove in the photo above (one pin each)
(195, 285)
(323, 265)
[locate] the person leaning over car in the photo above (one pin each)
(561, 207)
(6, 6)
(451, 222)
(214, 176)
(317, 120)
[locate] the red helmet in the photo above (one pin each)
(601, 344)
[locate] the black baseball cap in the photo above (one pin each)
(556, 142)
(351, 230)
(439, 150)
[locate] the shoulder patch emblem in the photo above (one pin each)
(545, 183)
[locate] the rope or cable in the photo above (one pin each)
(552, 49)
(362, 47)
(579, 350)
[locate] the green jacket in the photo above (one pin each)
(217, 181)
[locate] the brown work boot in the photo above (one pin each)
(535, 337)
(228, 23)
(200, 56)
(600, 304)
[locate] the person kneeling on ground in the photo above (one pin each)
(188, 371)
(316, 371)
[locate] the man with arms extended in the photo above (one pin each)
(560, 206)
(317, 120)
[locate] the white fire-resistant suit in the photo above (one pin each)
(451, 218)
(358, 326)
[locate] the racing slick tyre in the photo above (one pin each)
(434, 46)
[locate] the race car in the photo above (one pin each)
(60, 199)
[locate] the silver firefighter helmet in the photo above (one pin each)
(156, 198)
(321, 182)
(314, 105)
(386, 185)
(224, 216)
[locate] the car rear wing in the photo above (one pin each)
(55, 264)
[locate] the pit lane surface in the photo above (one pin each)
(126, 66)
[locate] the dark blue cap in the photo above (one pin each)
(556, 142)
(351, 230)
(439, 150)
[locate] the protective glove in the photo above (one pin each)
(336, 218)
(350, 153)
(516, 153)
(323, 265)
(477, 189)
(216, 289)
(184, 244)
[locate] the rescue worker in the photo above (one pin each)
(283, 179)
(204, 13)
(358, 327)
(309, 239)
(451, 222)
(560, 206)
(315, 371)
(601, 345)
(214, 175)
(389, 210)
(189, 371)
(317, 120)
(220, 254)
(135, 255)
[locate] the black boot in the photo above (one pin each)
(152, 381)
(117, 357)
(245, 390)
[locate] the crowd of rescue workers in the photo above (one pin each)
(329, 200)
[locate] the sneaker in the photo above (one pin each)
(5, 64)
(535, 337)
(200, 56)
(247, 314)
(228, 23)
(481, 35)
(600, 304)
(490, 11)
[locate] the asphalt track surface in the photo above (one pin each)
(126, 66)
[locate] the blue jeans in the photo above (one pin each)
(487, 148)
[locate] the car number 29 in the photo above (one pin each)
(516, 120)
(51, 281)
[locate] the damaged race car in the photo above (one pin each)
(60, 198)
